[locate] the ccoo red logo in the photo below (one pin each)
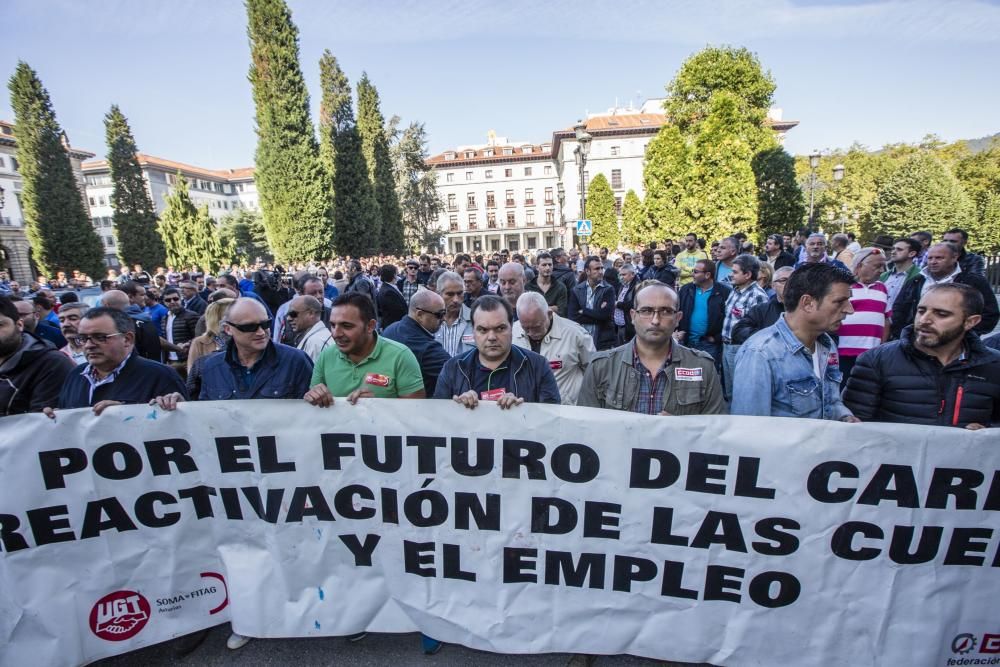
(119, 616)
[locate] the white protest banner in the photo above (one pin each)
(728, 540)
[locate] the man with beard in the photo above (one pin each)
(938, 373)
(69, 320)
(32, 371)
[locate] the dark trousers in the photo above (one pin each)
(714, 349)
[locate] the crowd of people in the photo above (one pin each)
(809, 327)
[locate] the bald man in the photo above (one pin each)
(416, 331)
(305, 317)
(512, 281)
(147, 338)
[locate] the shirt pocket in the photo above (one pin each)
(803, 395)
(687, 398)
(218, 394)
(276, 391)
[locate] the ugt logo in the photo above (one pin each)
(966, 643)
(119, 616)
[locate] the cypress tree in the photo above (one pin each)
(135, 217)
(601, 211)
(57, 224)
(416, 186)
(291, 182)
(779, 198)
(355, 208)
(178, 225)
(375, 146)
(666, 174)
(636, 226)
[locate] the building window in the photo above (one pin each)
(616, 179)
(472, 221)
(488, 152)
(529, 197)
(548, 196)
(532, 243)
(470, 154)
(494, 245)
(548, 170)
(468, 175)
(449, 177)
(452, 205)
(529, 218)
(489, 173)
(616, 151)
(453, 223)
(449, 155)
(490, 200)
(491, 220)
(508, 151)
(550, 216)
(618, 205)
(527, 150)
(510, 198)
(101, 201)
(510, 219)
(91, 200)
(13, 163)
(508, 173)
(527, 171)
(470, 201)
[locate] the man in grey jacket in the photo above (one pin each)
(652, 374)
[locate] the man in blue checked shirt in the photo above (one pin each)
(745, 295)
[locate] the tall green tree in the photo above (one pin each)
(243, 238)
(291, 182)
(375, 146)
(57, 224)
(357, 232)
(722, 69)
(189, 234)
(666, 176)
(416, 187)
(780, 206)
(636, 227)
(722, 191)
(601, 210)
(979, 174)
(134, 217)
(921, 194)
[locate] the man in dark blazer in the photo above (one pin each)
(390, 301)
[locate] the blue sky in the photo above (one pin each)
(874, 72)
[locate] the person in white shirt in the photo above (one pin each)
(305, 316)
(565, 344)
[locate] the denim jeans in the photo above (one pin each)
(714, 349)
(729, 352)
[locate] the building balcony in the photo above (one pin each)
(529, 202)
(549, 202)
(453, 227)
(491, 225)
(452, 208)
(473, 226)
(510, 203)
(511, 225)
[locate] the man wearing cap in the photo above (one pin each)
(409, 282)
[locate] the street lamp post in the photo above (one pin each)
(838, 176)
(583, 139)
(561, 194)
(813, 164)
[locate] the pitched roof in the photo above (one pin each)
(8, 138)
(145, 160)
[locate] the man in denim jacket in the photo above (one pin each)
(790, 369)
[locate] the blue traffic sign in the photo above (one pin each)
(584, 227)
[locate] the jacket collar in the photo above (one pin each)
(792, 341)
(975, 352)
(270, 356)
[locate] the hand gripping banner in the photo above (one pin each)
(729, 540)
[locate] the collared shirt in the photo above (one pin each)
(491, 383)
(591, 294)
(651, 387)
(390, 370)
(409, 289)
(930, 281)
(315, 340)
(775, 376)
(737, 305)
(699, 315)
(78, 356)
(170, 334)
(619, 313)
(456, 338)
(89, 375)
(862, 330)
(893, 284)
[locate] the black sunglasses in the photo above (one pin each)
(251, 327)
(438, 314)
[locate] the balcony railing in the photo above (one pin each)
(529, 202)
(510, 203)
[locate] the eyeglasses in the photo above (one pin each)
(251, 327)
(647, 313)
(438, 314)
(100, 339)
(779, 280)
(292, 314)
(171, 300)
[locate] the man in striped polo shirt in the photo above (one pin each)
(868, 326)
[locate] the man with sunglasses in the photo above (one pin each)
(652, 374)
(416, 331)
(305, 318)
(114, 374)
(179, 329)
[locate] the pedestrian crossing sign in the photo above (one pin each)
(584, 227)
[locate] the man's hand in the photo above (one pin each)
(50, 413)
(469, 399)
(168, 402)
(664, 413)
(850, 419)
(509, 400)
(319, 396)
(360, 392)
(101, 406)
(974, 427)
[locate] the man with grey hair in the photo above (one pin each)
(69, 320)
(416, 331)
(305, 317)
(745, 295)
(455, 333)
(624, 331)
(815, 252)
(839, 243)
(565, 344)
(763, 315)
(512, 281)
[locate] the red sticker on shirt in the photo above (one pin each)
(833, 360)
(492, 394)
(555, 364)
(737, 312)
(377, 380)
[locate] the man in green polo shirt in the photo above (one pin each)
(362, 363)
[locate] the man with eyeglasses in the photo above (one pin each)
(496, 370)
(653, 374)
(416, 331)
(32, 371)
(114, 374)
(305, 318)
